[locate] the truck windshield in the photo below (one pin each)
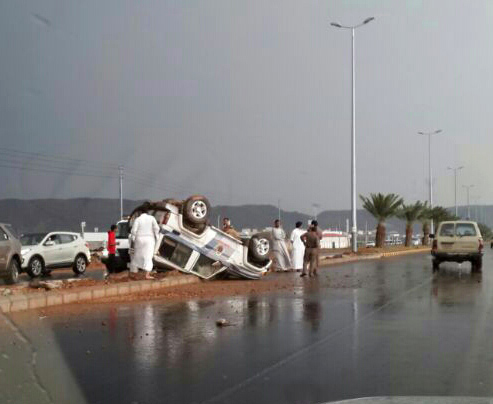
(122, 230)
(206, 267)
(465, 229)
(175, 252)
(447, 229)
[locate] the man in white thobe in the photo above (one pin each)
(143, 235)
(298, 247)
(279, 247)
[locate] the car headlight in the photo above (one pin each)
(24, 251)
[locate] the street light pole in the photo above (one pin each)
(279, 209)
(315, 207)
(477, 208)
(120, 171)
(354, 226)
(455, 190)
(468, 188)
(430, 175)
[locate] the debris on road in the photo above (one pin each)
(222, 322)
(47, 285)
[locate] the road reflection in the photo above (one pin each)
(312, 312)
(455, 288)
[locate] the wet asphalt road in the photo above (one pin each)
(386, 327)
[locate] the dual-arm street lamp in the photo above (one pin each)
(429, 134)
(354, 229)
(455, 179)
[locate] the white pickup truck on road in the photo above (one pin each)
(189, 244)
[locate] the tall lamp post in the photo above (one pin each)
(455, 189)
(315, 207)
(477, 208)
(354, 227)
(430, 175)
(120, 175)
(468, 188)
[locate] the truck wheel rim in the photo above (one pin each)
(199, 209)
(262, 246)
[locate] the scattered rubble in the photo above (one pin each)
(47, 285)
(222, 322)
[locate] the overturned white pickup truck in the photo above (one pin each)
(189, 244)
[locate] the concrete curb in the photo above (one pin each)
(335, 261)
(406, 252)
(15, 303)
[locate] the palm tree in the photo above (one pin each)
(424, 218)
(410, 213)
(440, 214)
(381, 207)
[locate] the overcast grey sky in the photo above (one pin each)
(244, 101)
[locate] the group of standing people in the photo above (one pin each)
(145, 230)
(305, 248)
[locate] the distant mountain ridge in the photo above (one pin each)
(40, 215)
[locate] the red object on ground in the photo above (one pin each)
(111, 242)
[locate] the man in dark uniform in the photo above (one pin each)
(311, 239)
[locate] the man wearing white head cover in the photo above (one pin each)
(298, 247)
(281, 253)
(143, 235)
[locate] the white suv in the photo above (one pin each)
(42, 252)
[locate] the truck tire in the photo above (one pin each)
(13, 270)
(195, 228)
(436, 265)
(35, 267)
(259, 248)
(197, 209)
(477, 264)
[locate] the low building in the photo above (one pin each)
(335, 239)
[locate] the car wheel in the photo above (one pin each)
(436, 265)
(35, 267)
(12, 272)
(80, 264)
(259, 248)
(197, 209)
